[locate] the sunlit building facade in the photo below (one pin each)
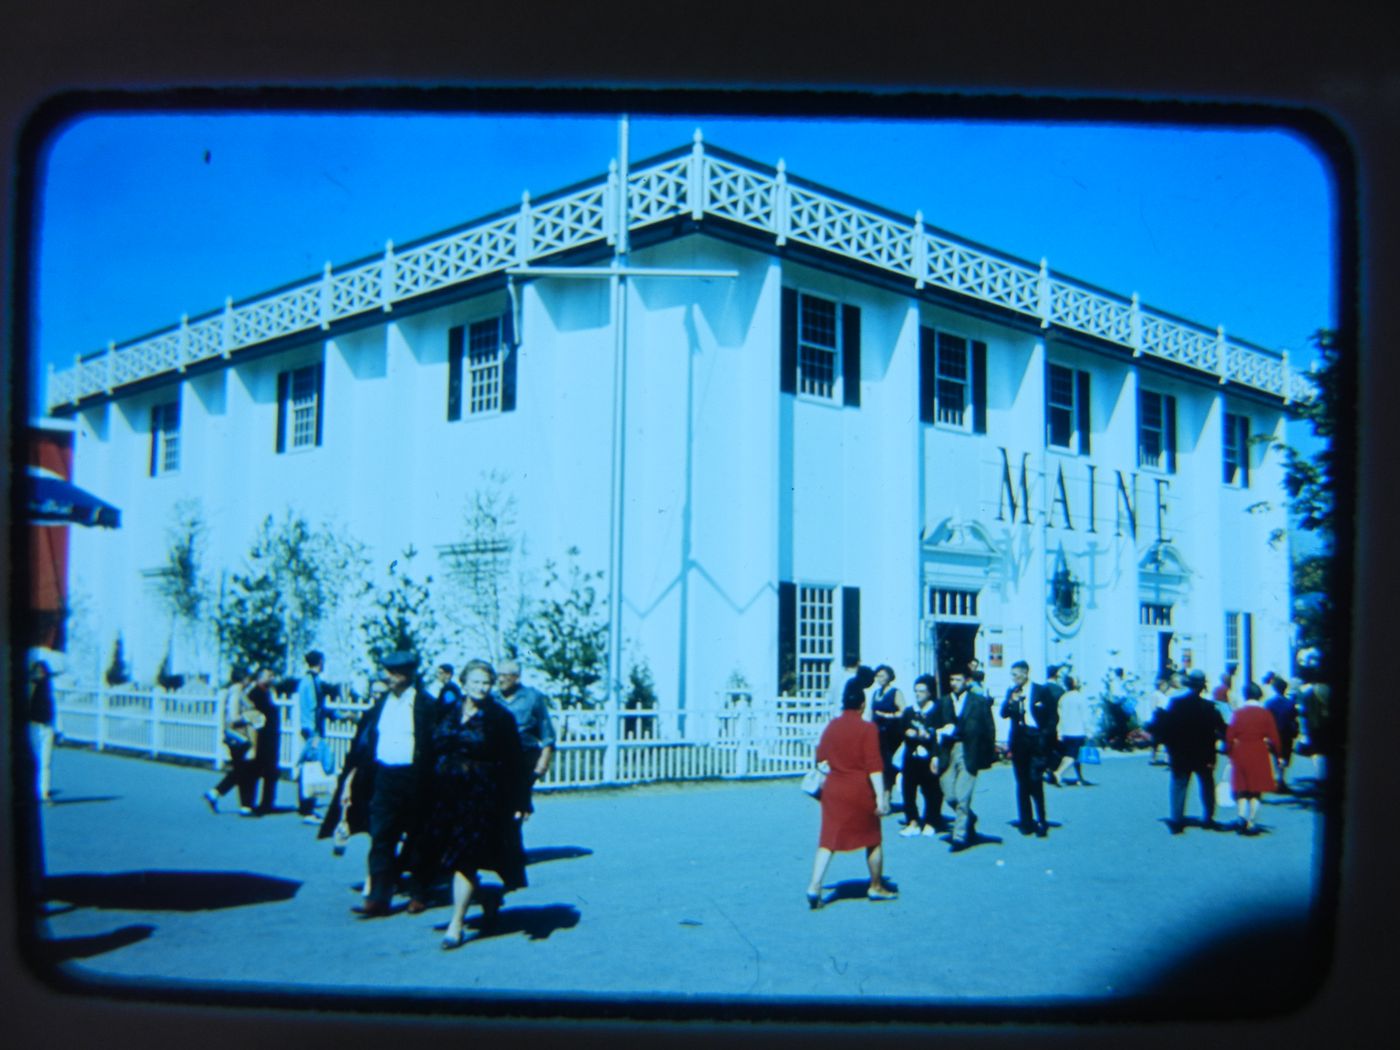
(851, 435)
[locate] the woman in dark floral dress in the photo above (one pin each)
(478, 794)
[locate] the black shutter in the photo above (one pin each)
(1046, 384)
(455, 342)
(320, 399)
(1247, 646)
(850, 626)
(850, 353)
(1170, 425)
(787, 639)
(928, 363)
(284, 383)
(508, 326)
(979, 387)
(1244, 450)
(155, 436)
(507, 362)
(787, 364)
(1082, 399)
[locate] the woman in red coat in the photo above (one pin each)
(854, 796)
(1251, 742)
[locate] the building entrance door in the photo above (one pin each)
(1156, 649)
(955, 643)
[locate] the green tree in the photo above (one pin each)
(483, 597)
(182, 585)
(294, 576)
(567, 635)
(1310, 479)
(117, 671)
(401, 614)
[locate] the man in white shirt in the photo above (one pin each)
(390, 762)
(1154, 703)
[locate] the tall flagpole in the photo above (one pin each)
(619, 291)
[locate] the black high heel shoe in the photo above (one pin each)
(814, 901)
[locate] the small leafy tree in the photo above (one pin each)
(182, 586)
(294, 576)
(568, 634)
(641, 696)
(483, 597)
(400, 614)
(118, 673)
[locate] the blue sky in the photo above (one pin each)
(144, 217)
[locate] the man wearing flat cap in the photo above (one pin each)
(384, 783)
(1192, 729)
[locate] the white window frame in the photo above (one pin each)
(1075, 442)
(300, 419)
(945, 415)
(167, 437)
(1161, 463)
(1154, 614)
(817, 632)
(953, 604)
(824, 391)
(1236, 428)
(1234, 637)
(483, 367)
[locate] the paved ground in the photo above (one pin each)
(690, 892)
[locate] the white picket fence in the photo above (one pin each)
(595, 748)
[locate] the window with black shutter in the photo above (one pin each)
(1157, 431)
(300, 409)
(1067, 409)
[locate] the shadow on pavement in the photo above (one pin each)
(78, 799)
(1255, 963)
(539, 856)
(168, 890)
(853, 890)
(536, 923)
(66, 949)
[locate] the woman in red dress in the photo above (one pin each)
(854, 796)
(1251, 742)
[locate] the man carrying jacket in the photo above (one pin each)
(966, 746)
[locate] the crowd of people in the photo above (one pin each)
(936, 747)
(441, 778)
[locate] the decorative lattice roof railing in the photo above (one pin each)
(695, 183)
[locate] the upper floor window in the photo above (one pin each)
(1067, 409)
(1157, 431)
(165, 438)
(299, 407)
(480, 368)
(1236, 450)
(820, 348)
(952, 380)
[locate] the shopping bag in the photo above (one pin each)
(812, 782)
(1089, 755)
(1224, 796)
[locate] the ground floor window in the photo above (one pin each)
(816, 639)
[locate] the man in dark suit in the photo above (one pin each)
(1192, 729)
(966, 746)
(384, 784)
(1034, 715)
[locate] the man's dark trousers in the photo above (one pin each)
(394, 811)
(1029, 761)
(1205, 781)
(918, 777)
